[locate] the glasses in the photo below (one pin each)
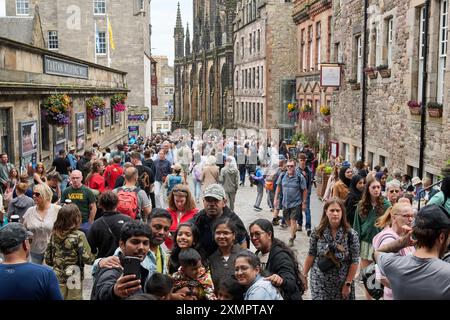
(256, 235)
(392, 191)
(30, 239)
(36, 194)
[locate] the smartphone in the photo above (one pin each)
(131, 265)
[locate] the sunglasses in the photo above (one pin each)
(36, 194)
(290, 166)
(392, 191)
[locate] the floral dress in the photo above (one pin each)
(328, 285)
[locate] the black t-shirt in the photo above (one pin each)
(61, 165)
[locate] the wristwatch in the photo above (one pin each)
(348, 283)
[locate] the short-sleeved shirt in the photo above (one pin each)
(41, 228)
(439, 199)
(28, 281)
(61, 165)
(143, 201)
(414, 278)
(82, 197)
(292, 189)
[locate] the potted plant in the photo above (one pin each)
(118, 102)
(292, 110)
(56, 109)
(306, 112)
(434, 109)
(384, 70)
(354, 84)
(95, 107)
(326, 113)
(414, 107)
(371, 72)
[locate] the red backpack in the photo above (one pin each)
(128, 201)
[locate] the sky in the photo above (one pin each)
(163, 19)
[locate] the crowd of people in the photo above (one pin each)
(131, 214)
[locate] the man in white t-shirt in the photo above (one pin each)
(423, 275)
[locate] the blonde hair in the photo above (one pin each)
(386, 219)
(211, 160)
(44, 190)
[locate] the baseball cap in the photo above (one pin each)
(432, 217)
(215, 191)
(13, 234)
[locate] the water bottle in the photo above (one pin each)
(67, 201)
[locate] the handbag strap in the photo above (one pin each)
(109, 229)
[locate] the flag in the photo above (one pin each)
(111, 38)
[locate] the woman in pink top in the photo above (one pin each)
(181, 208)
(392, 221)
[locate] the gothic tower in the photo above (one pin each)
(179, 35)
(187, 46)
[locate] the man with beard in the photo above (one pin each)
(214, 203)
(422, 275)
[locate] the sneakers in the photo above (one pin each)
(276, 221)
(299, 228)
(308, 232)
(291, 242)
(257, 208)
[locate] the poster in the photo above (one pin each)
(80, 142)
(133, 131)
(27, 161)
(58, 147)
(28, 137)
(96, 123)
(81, 124)
(59, 133)
(108, 117)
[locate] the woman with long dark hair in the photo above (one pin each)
(333, 255)
(277, 259)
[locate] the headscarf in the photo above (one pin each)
(379, 175)
(342, 176)
(353, 189)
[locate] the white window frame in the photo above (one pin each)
(421, 52)
(346, 152)
(443, 41)
(98, 46)
(377, 46)
(98, 4)
(303, 44)
(318, 46)
(358, 41)
(53, 43)
(389, 40)
(310, 43)
(22, 7)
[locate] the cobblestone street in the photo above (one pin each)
(245, 199)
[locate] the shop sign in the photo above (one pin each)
(136, 117)
(61, 67)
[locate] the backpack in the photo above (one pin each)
(197, 173)
(269, 185)
(173, 181)
(128, 203)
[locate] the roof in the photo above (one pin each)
(17, 28)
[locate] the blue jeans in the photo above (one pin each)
(197, 189)
(307, 213)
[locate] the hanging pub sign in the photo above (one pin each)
(136, 117)
(330, 75)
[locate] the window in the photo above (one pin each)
(259, 40)
(310, 47)
(250, 43)
(253, 113)
(254, 41)
(389, 40)
(22, 7)
(53, 40)
(370, 159)
(242, 112)
(246, 79)
(318, 49)
(421, 52)
(382, 162)
(100, 7)
(237, 80)
(253, 82)
(237, 50)
(443, 40)
(346, 152)
(242, 47)
(262, 114)
(258, 119)
(45, 132)
(100, 43)
(329, 39)
(337, 52)
(412, 171)
(262, 77)
(242, 79)
(141, 5)
(358, 58)
(257, 77)
(303, 51)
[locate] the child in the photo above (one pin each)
(193, 275)
(230, 289)
(68, 251)
(159, 285)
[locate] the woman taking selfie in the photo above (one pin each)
(247, 272)
(276, 259)
(333, 255)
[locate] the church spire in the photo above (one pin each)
(178, 35)
(187, 46)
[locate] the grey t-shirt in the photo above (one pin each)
(414, 278)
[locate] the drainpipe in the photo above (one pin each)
(423, 116)
(364, 86)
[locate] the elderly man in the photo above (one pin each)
(393, 191)
(84, 199)
(215, 207)
(19, 278)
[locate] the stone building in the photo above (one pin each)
(28, 75)
(264, 73)
(162, 113)
(204, 68)
(80, 29)
(313, 19)
(395, 45)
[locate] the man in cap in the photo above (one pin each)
(215, 207)
(20, 279)
(422, 275)
(72, 158)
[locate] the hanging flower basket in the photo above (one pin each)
(325, 110)
(326, 119)
(118, 102)
(414, 107)
(95, 107)
(57, 109)
(434, 109)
